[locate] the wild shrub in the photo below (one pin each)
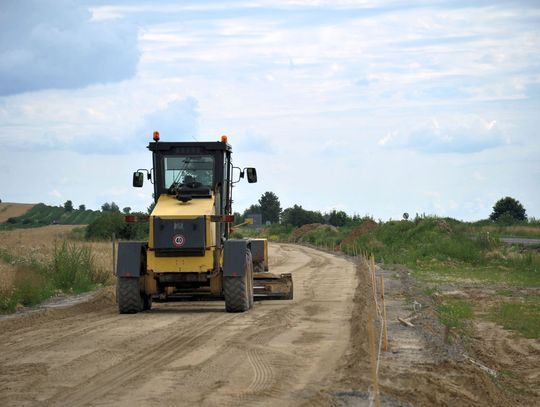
(108, 223)
(32, 287)
(105, 225)
(73, 268)
(454, 313)
(8, 298)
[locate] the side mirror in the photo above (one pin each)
(138, 179)
(251, 175)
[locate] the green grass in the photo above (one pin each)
(274, 233)
(434, 249)
(72, 270)
(462, 272)
(526, 230)
(443, 250)
(520, 316)
(42, 215)
(453, 313)
(325, 236)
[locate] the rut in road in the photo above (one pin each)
(188, 353)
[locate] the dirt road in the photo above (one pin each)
(187, 353)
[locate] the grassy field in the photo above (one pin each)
(43, 253)
(438, 251)
(37, 263)
(42, 215)
(12, 210)
(442, 252)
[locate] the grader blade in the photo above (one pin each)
(269, 286)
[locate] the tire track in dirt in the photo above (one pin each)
(118, 375)
(187, 353)
(49, 341)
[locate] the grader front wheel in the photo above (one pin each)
(130, 300)
(238, 291)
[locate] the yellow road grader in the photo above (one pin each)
(189, 253)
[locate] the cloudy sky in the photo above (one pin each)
(372, 107)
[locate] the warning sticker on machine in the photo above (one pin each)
(179, 240)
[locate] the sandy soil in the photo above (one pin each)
(311, 351)
(421, 368)
(188, 353)
(12, 210)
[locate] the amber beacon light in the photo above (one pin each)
(156, 136)
(224, 139)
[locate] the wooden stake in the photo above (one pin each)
(373, 357)
(374, 281)
(385, 327)
(113, 254)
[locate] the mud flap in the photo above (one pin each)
(130, 259)
(234, 261)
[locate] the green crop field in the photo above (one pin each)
(42, 215)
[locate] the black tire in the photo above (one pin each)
(238, 291)
(130, 300)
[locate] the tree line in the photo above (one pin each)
(506, 210)
(269, 207)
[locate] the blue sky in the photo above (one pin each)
(372, 107)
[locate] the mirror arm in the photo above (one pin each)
(239, 178)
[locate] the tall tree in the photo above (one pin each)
(508, 207)
(298, 216)
(110, 207)
(270, 207)
(82, 207)
(114, 207)
(338, 218)
(68, 206)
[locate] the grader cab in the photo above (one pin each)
(189, 253)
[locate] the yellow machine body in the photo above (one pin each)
(189, 252)
(168, 207)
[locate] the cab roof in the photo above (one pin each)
(188, 146)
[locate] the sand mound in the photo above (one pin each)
(298, 233)
(365, 227)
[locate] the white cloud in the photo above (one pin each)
(461, 134)
(334, 102)
(54, 44)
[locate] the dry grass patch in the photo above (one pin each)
(12, 210)
(36, 263)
